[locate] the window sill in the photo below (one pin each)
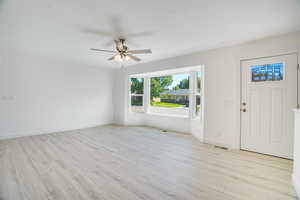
(165, 115)
(131, 112)
(196, 118)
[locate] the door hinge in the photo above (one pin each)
(298, 106)
(298, 67)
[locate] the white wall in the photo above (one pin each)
(41, 95)
(296, 171)
(119, 94)
(222, 83)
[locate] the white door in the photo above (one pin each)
(269, 95)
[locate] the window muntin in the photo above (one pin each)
(267, 72)
(137, 94)
(170, 94)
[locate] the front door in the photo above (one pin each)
(269, 95)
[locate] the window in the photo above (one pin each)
(175, 92)
(170, 94)
(198, 93)
(268, 72)
(137, 94)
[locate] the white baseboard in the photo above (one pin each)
(296, 183)
(221, 144)
(48, 131)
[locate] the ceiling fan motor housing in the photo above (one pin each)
(121, 47)
(123, 53)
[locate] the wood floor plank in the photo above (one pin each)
(135, 163)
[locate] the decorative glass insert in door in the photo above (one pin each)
(267, 72)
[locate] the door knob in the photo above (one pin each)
(243, 110)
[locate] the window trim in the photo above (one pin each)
(149, 94)
(136, 95)
(192, 72)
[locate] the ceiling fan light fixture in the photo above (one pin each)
(118, 58)
(127, 57)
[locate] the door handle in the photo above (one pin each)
(243, 110)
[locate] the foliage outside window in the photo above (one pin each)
(137, 94)
(170, 93)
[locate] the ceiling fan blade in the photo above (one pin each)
(108, 51)
(113, 57)
(133, 57)
(98, 32)
(140, 51)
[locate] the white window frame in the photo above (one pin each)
(196, 93)
(136, 95)
(167, 74)
(192, 91)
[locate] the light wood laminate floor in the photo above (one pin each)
(115, 163)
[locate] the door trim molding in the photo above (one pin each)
(239, 60)
(285, 54)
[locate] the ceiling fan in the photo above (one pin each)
(122, 52)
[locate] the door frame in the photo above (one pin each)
(239, 86)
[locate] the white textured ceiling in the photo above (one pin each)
(66, 29)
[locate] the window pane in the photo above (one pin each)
(137, 85)
(198, 82)
(198, 104)
(170, 94)
(268, 72)
(137, 104)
